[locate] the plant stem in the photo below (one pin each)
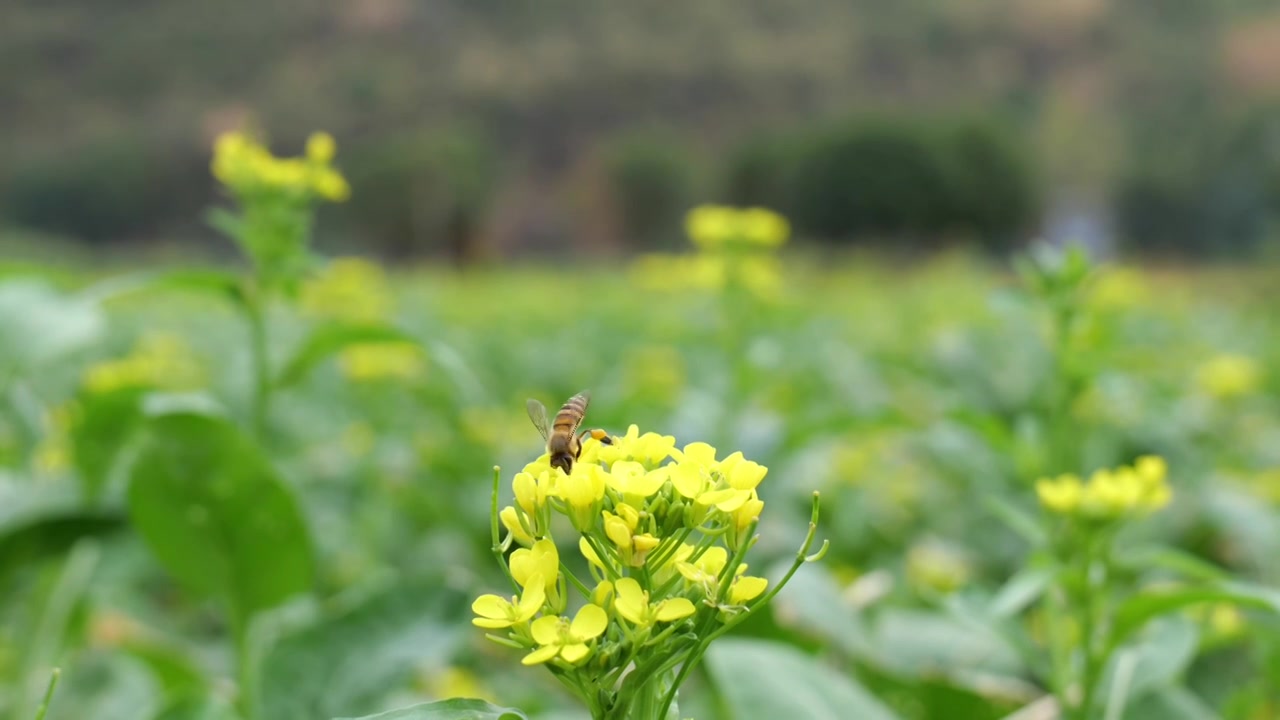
(245, 700)
(48, 694)
(256, 315)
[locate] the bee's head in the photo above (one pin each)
(564, 461)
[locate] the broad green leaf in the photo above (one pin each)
(196, 708)
(1171, 703)
(1158, 660)
(456, 709)
(812, 602)
(1017, 519)
(216, 515)
(328, 340)
(1172, 559)
(352, 659)
(1139, 609)
(917, 642)
(104, 686)
(759, 680)
(218, 283)
(100, 430)
(39, 325)
(1020, 591)
(177, 673)
(46, 520)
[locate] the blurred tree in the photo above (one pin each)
(651, 180)
(424, 191)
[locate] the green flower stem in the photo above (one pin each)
(498, 549)
(256, 316)
(246, 698)
(48, 694)
(706, 635)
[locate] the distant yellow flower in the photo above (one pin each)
(1110, 493)
(937, 567)
(349, 289)
(456, 682)
(321, 147)
(377, 361)
(715, 226)
(1061, 495)
(560, 638)
(1229, 376)
(157, 360)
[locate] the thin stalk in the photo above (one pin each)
(255, 314)
(245, 700)
(48, 694)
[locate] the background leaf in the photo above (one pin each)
(216, 515)
(328, 340)
(457, 709)
(349, 660)
(767, 680)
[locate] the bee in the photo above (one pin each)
(564, 442)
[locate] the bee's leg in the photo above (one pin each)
(598, 434)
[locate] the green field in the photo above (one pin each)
(922, 402)
(1030, 490)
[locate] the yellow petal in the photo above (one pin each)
(491, 606)
(526, 492)
(541, 655)
(687, 479)
(574, 653)
(630, 601)
(546, 630)
(534, 596)
(746, 588)
(674, 609)
(727, 499)
(491, 623)
(589, 553)
(699, 453)
(591, 621)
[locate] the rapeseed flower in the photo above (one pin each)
(1110, 493)
(158, 360)
(382, 360)
(663, 532)
(349, 289)
(1229, 376)
(247, 167)
(497, 612)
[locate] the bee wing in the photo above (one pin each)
(538, 414)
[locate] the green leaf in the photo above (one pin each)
(1178, 561)
(767, 680)
(920, 643)
(100, 430)
(39, 325)
(1020, 591)
(213, 282)
(1135, 612)
(351, 659)
(1171, 703)
(456, 709)
(328, 340)
(45, 520)
(1017, 519)
(216, 515)
(1159, 660)
(813, 603)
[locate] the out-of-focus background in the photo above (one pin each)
(478, 129)
(250, 407)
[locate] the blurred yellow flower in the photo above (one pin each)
(1228, 376)
(248, 167)
(1118, 288)
(157, 360)
(712, 227)
(1110, 493)
(937, 567)
(349, 289)
(379, 361)
(456, 682)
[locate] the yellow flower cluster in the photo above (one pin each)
(1110, 493)
(349, 289)
(158, 360)
(664, 532)
(735, 247)
(382, 361)
(248, 167)
(1229, 376)
(712, 227)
